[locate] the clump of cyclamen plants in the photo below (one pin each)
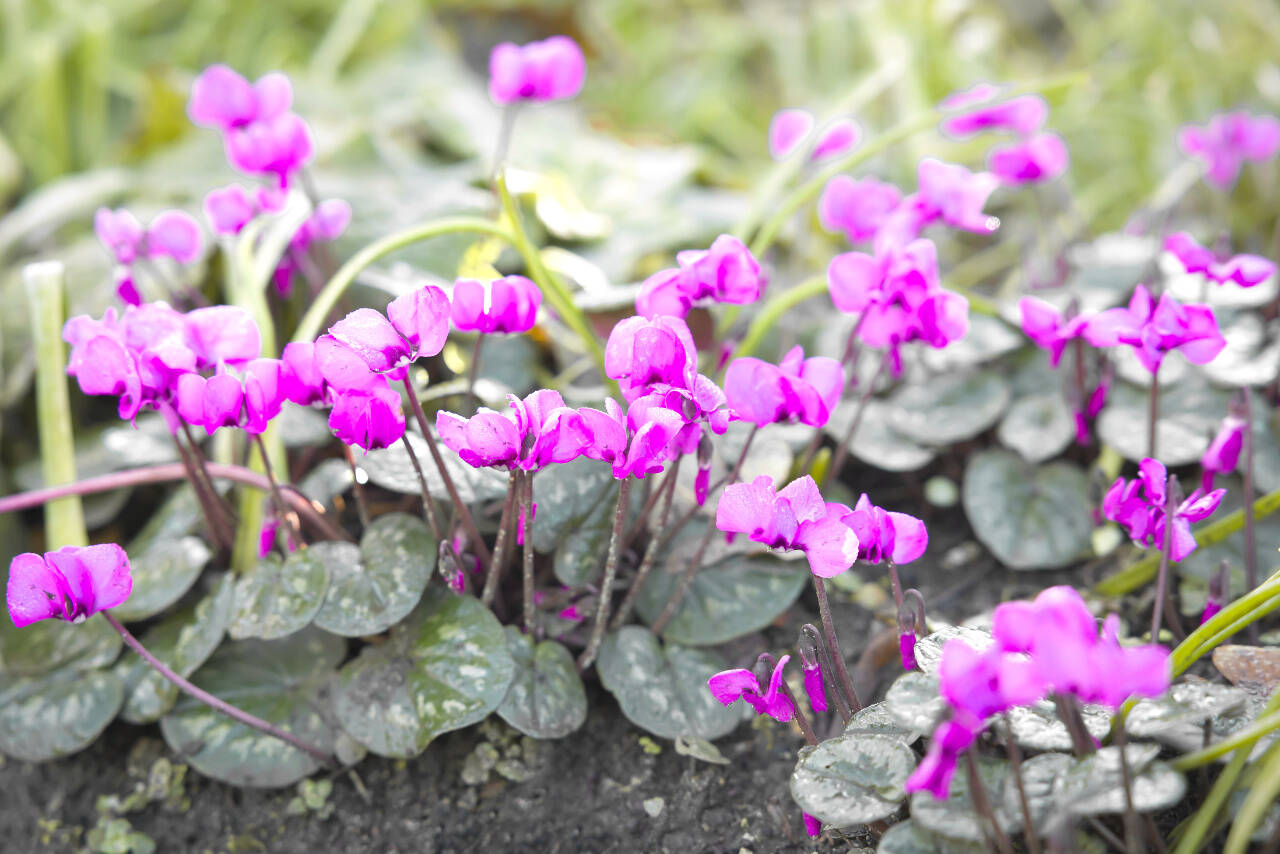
(321, 577)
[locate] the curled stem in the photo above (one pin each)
(610, 572)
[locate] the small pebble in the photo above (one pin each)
(653, 806)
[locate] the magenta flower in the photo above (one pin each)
(796, 389)
(858, 208)
(795, 517)
(647, 354)
(933, 775)
(1244, 270)
(508, 305)
(549, 70)
(225, 400)
(790, 127)
(1154, 329)
(952, 193)
(1023, 115)
(171, 234)
(222, 99)
(277, 146)
(726, 272)
(1223, 454)
(884, 535)
(638, 447)
(300, 378)
(728, 686)
(1048, 328)
(1139, 507)
(979, 685)
(327, 222)
(701, 408)
(812, 826)
(368, 416)
(907, 650)
(418, 327)
(1042, 157)
(1227, 141)
(539, 431)
(229, 209)
(72, 583)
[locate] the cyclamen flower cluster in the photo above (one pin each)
(1154, 329)
(172, 234)
(1227, 141)
(1036, 155)
(1140, 506)
(726, 272)
(790, 128)
(1048, 646)
(1245, 270)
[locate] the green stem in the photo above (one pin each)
(771, 312)
(64, 518)
(313, 321)
(610, 573)
(1265, 789)
(1140, 572)
(552, 288)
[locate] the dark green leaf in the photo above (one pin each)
(1038, 427)
(52, 644)
(877, 442)
(852, 779)
(566, 496)
(949, 407)
(165, 560)
(908, 837)
(50, 716)
(390, 468)
(1095, 785)
(444, 667)
(376, 585)
(277, 598)
(546, 698)
(1189, 415)
(1177, 718)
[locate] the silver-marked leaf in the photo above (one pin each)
(949, 407)
(662, 688)
(852, 779)
(581, 553)
(908, 837)
(988, 338)
(374, 586)
(1095, 785)
(390, 468)
(183, 641)
(913, 702)
(55, 715)
(277, 598)
(1038, 727)
(165, 560)
(734, 597)
(1190, 412)
(53, 644)
(876, 442)
(1177, 718)
(566, 496)
(1041, 777)
(1029, 517)
(876, 720)
(955, 816)
(280, 681)
(929, 647)
(1038, 427)
(444, 667)
(546, 698)
(1252, 354)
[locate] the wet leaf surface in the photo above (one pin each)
(1038, 427)
(277, 598)
(390, 468)
(913, 702)
(375, 585)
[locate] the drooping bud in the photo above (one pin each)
(910, 621)
(449, 568)
(807, 646)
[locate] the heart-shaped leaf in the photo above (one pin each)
(1038, 427)
(908, 837)
(1038, 727)
(444, 667)
(1095, 785)
(929, 647)
(852, 779)
(955, 816)
(1029, 517)
(52, 644)
(949, 407)
(373, 587)
(1177, 717)
(662, 688)
(390, 468)
(164, 559)
(988, 339)
(546, 698)
(581, 553)
(567, 495)
(54, 715)
(277, 598)
(183, 641)
(1041, 777)
(913, 702)
(876, 442)
(736, 596)
(280, 681)
(876, 720)
(1189, 415)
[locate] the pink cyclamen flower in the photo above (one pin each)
(796, 389)
(701, 408)
(229, 209)
(979, 685)
(1227, 141)
(1219, 587)
(1023, 115)
(549, 70)
(933, 775)
(645, 354)
(907, 650)
(1245, 270)
(812, 826)
(794, 517)
(1048, 328)
(725, 272)
(221, 98)
(368, 416)
(416, 326)
(814, 687)
(171, 234)
(952, 193)
(632, 446)
(1154, 329)
(857, 207)
(224, 400)
(278, 146)
(789, 128)
(300, 378)
(728, 686)
(1223, 454)
(1139, 507)
(1042, 157)
(540, 430)
(884, 535)
(72, 583)
(508, 305)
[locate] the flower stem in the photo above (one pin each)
(1250, 525)
(691, 568)
(219, 531)
(208, 699)
(828, 672)
(468, 523)
(357, 488)
(428, 505)
(651, 550)
(1173, 496)
(1069, 714)
(500, 545)
(282, 508)
(842, 450)
(982, 805)
(896, 583)
(1132, 829)
(1015, 765)
(530, 614)
(845, 682)
(667, 488)
(610, 573)
(1153, 413)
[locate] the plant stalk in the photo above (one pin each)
(530, 615)
(1250, 524)
(996, 837)
(842, 450)
(651, 550)
(610, 572)
(428, 505)
(844, 682)
(1029, 834)
(1153, 413)
(500, 545)
(1172, 497)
